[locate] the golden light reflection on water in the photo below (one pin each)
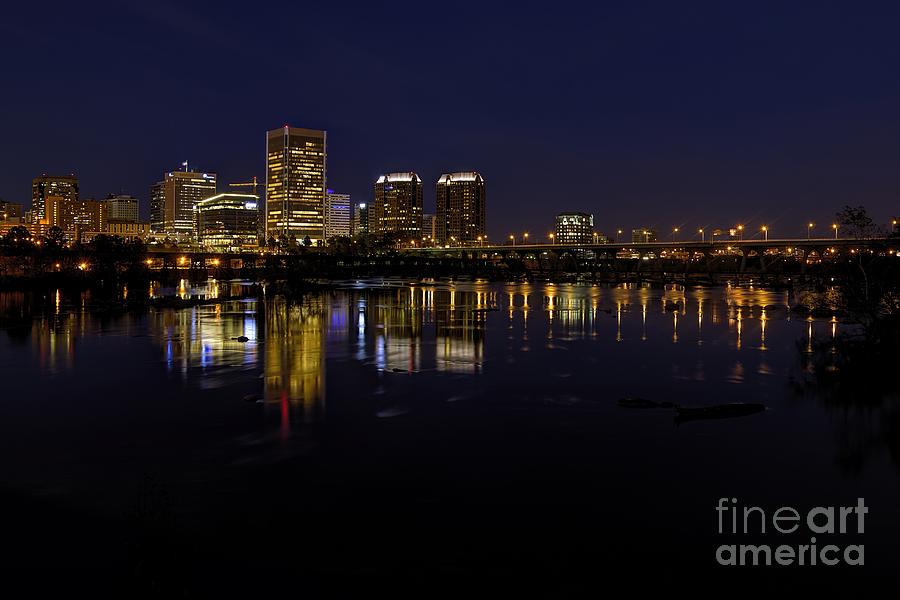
(423, 327)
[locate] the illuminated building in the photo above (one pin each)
(173, 200)
(337, 214)
(460, 209)
(642, 235)
(128, 230)
(227, 221)
(397, 209)
(295, 183)
(429, 228)
(75, 216)
(122, 208)
(360, 219)
(10, 212)
(574, 228)
(62, 186)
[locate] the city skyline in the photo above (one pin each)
(646, 124)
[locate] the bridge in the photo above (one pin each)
(772, 259)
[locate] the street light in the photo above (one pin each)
(765, 230)
(552, 239)
(835, 226)
(740, 229)
(618, 233)
(674, 231)
(702, 235)
(525, 238)
(512, 240)
(808, 227)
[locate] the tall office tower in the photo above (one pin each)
(157, 207)
(360, 219)
(337, 214)
(122, 208)
(574, 228)
(429, 228)
(173, 201)
(642, 235)
(295, 183)
(62, 186)
(397, 209)
(460, 209)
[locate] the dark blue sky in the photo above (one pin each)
(645, 113)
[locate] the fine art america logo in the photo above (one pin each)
(753, 521)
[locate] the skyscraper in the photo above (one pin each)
(62, 186)
(397, 209)
(295, 183)
(173, 201)
(122, 208)
(337, 214)
(460, 208)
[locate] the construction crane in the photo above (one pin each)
(250, 184)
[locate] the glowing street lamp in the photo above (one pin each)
(835, 226)
(765, 230)
(702, 235)
(809, 226)
(674, 232)
(552, 239)
(512, 240)
(740, 229)
(525, 237)
(618, 233)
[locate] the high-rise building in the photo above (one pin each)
(397, 209)
(460, 209)
(360, 219)
(122, 208)
(75, 216)
(337, 214)
(429, 228)
(173, 201)
(62, 186)
(642, 235)
(295, 183)
(157, 206)
(227, 221)
(574, 228)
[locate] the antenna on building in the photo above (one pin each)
(185, 165)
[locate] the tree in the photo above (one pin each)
(307, 241)
(56, 238)
(18, 236)
(856, 222)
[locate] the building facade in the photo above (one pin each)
(129, 230)
(397, 209)
(173, 201)
(226, 221)
(10, 212)
(574, 228)
(460, 209)
(122, 208)
(295, 183)
(75, 217)
(337, 214)
(360, 219)
(61, 186)
(643, 235)
(429, 229)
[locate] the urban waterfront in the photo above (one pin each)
(388, 431)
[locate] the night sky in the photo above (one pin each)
(655, 114)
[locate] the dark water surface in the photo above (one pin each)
(436, 439)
